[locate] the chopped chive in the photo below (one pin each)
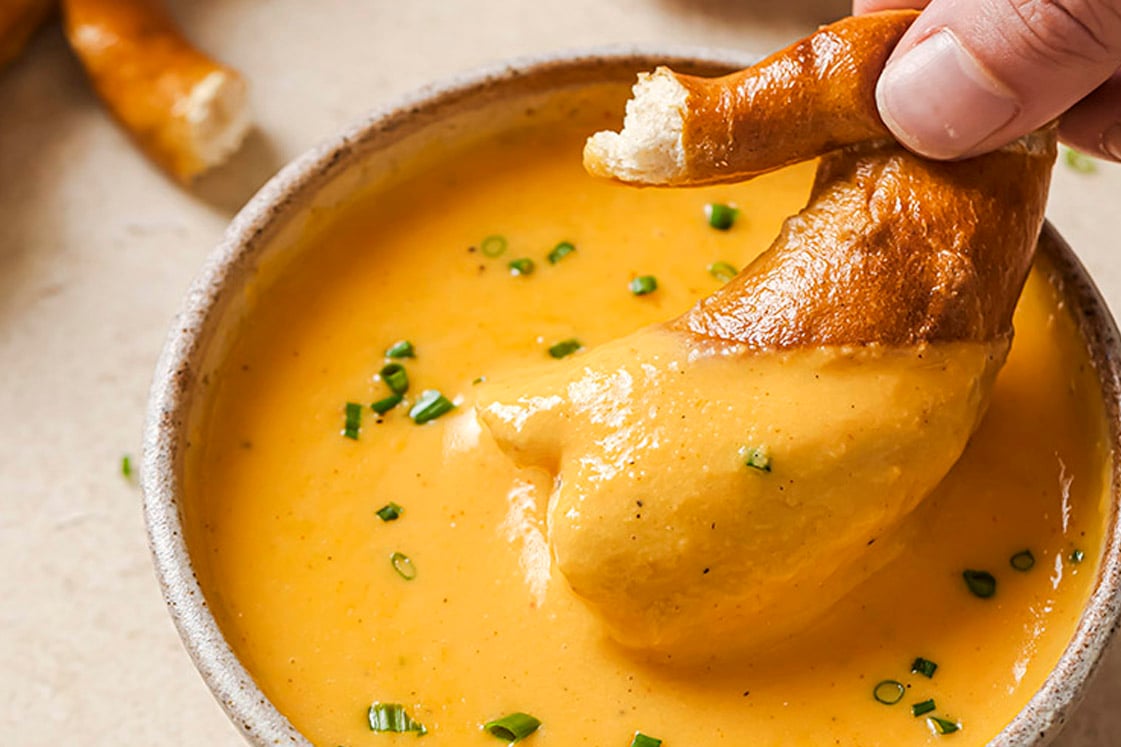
(641, 740)
(941, 726)
(565, 348)
(1079, 161)
(1077, 556)
(353, 420)
(722, 271)
(512, 728)
(522, 266)
(403, 564)
(919, 709)
(888, 692)
(560, 251)
(382, 406)
(756, 457)
(493, 246)
(1022, 561)
(478, 380)
(721, 217)
(401, 349)
(394, 376)
(643, 285)
(392, 717)
(430, 406)
(390, 512)
(925, 667)
(126, 467)
(981, 583)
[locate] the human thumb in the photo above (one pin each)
(972, 75)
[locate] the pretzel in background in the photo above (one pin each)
(186, 111)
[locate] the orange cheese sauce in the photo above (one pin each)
(296, 565)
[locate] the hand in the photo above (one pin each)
(972, 75)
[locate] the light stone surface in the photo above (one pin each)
(97, 248)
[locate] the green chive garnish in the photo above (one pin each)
(565, 348)
(394, 376)
(493, 246)
(922, 666)
(919, 709)
(353, 420)
(478, 380)
(722, 271)
(888, 692)
(756, 457)
(981, 583)
(1077, 556)
(512, 728)
(392, 717)
(382, 406)
(390, 512)
(126, 467)
(941, 726)
(1078, 161)
(641, 740)
(403, 564)
(560, 251)
(1022, 561)
(721, 217)
(523, 266)
(643, 285)
(400, 349)
(430, 406)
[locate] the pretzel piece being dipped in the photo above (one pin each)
(892, 249)
(185, 110)
(813, 97)
(18, 21)
(723, 478)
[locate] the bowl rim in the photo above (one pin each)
(296, 184)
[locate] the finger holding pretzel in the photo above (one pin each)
(972, 75)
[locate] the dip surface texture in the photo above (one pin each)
(296, 564)
(687, 471)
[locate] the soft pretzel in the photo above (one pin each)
(18, 21)
(722, 478)
(186, 111)
(892, 248)
(813, 97)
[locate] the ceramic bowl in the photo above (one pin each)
(263, 235)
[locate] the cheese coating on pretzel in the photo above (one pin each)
(721, 479)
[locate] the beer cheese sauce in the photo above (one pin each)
(456, 608)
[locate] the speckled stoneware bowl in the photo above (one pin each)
(264, 235)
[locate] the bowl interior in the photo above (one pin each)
(388, 146)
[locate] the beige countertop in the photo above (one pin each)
(97, 249)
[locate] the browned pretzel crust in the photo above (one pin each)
(895, 249)
(811, 98)
(891, 248)
(815, 96)
(184, 109)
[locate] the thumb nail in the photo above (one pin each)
(939, 101)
